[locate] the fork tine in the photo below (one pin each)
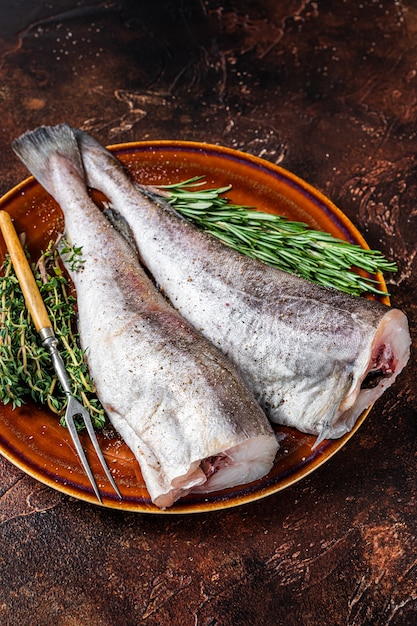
(69, 419)
(92, 434)
(76, 408)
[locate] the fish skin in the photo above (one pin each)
(304, 350)
(173, 396)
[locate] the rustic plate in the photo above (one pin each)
(32, 439)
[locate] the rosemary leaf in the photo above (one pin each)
(273, 239)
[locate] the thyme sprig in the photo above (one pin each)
(25, 366)
(289, 245)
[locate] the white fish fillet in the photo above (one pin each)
(174, 398)
(315, 358)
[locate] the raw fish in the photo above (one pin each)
(175, 399)
(315, 358)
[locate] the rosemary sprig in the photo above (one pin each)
(25, 365)
(291, 246)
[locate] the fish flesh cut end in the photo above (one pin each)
(389, 354)
(308, 353)
(384, 360)
(236, 465)
(174, 398)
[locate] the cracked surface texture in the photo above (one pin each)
(327, 90)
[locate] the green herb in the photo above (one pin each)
(73, 255)
(25, 365)
(291, 246)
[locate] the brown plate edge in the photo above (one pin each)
(255, 492)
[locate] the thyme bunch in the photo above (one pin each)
(25, 366)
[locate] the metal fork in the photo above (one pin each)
(43, 325)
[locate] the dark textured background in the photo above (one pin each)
(326, 89)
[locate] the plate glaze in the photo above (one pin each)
(31, 437)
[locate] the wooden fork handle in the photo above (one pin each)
(33, 298)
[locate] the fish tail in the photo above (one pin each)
(38, 148)
(96, 158)
(105, 172)
(88, 142)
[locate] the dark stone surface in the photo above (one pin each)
(326, 89)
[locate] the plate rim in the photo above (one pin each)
(326, 450)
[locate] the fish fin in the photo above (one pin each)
(322, 435)
(152, 193)
(120, 224)
(35, 148)
(88, 145)
(86, 141)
